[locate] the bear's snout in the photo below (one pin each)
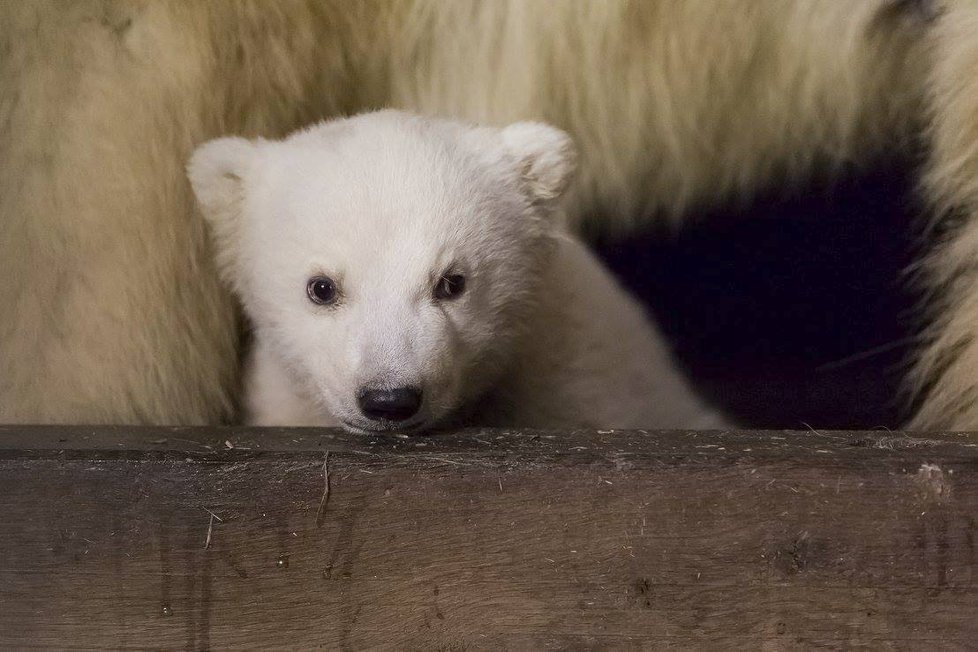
(397, 404)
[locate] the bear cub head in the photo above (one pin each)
(388, 261)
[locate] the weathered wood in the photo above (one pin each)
(196, 538)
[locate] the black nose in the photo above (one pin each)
(395, 404)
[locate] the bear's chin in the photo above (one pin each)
(387, 427)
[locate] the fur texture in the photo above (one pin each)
(946, 375)
(113, 312)
(386, 206)
(112, 308)
(674, 103)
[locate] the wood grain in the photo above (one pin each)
(486, 539)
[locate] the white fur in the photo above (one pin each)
(111, 306)
(385, 204)
(675, 104)
(946, 374)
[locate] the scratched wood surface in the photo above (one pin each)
(199, 538)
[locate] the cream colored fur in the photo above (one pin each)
(112, 311)
(674, 103)
(947, 369)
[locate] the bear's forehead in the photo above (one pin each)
(397, 167)
(377, 188)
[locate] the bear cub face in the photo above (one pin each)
(387, 261)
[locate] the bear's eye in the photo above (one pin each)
(449, 286)
(321, 290)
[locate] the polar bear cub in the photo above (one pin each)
(403, 272)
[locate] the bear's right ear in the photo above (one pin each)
(216, 171)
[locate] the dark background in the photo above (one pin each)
(795, 308)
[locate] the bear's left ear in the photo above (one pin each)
(546, 156)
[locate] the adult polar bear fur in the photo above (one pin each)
(112, 309)
(947, 370)
(403, 272)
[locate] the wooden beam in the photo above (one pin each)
(197, 538)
